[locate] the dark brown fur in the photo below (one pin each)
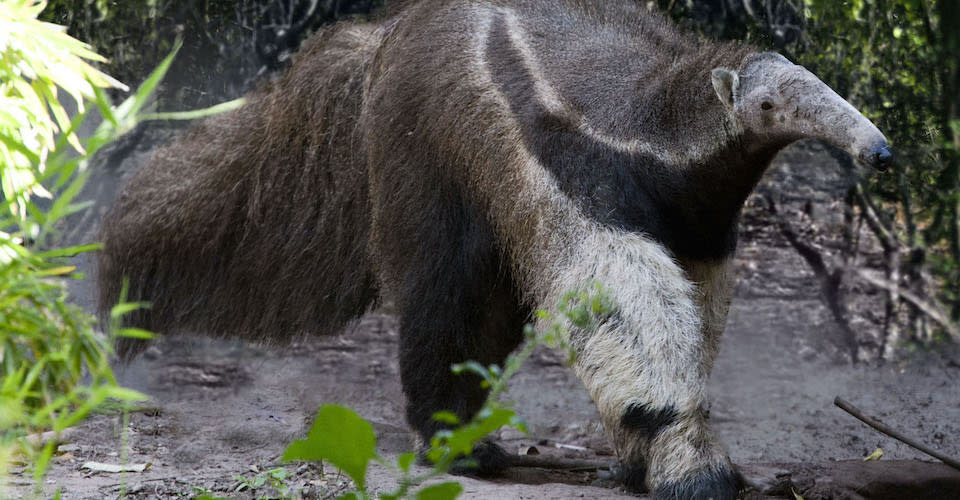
(469, 161)
(255, 222)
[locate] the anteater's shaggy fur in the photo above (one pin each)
(255, 223)
(468, 161)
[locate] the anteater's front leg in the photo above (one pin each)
(645, 368)
(713, 280)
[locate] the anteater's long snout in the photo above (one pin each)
(878, 156)
(836, 121)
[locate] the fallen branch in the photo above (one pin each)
(42, 438)
(880, 426)
(557, 463)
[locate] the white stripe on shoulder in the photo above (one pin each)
(550, 98)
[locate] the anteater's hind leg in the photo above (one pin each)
(456, 302)
(478, 321)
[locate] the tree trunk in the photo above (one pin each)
(949, 29)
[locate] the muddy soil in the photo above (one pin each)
(222, 410)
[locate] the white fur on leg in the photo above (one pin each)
(713, 281)
(650, 352)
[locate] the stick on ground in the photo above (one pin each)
(880, 426)
(558, 463)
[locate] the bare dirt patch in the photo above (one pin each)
(223, 409)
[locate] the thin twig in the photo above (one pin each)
(557, 463)
(42, 438)
(148, 480)
(880, 426)
(879, 227)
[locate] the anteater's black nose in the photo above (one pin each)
(880, 156)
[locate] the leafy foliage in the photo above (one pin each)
(276, 478)
(38, 59)
(54, 367)
(47, 346)
(767, 22)
(341, 437)
(897, 61)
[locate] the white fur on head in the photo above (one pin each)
(779, 102)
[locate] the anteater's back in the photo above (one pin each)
(254, 223)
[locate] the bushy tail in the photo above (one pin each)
(254, 223)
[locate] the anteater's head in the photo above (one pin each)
(776, 101)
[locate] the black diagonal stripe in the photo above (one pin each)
(631, 191)
(648, 420)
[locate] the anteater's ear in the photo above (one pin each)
(725, 82)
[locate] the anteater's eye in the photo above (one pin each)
(766, 105)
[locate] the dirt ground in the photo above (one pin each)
(222, 409)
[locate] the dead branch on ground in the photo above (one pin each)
(880, 426)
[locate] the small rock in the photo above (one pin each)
(152, 353)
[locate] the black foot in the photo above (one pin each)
(487, 460)
(712, 484)
(631, 477)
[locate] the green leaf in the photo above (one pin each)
(124, 394)
(472, 367)
(196, 113)
(461, 440)
(489, 374)
(20, 148)
(341, 437)
(103, 104)
(119, 310)
(70, 251)
(132, 106)
(56, 271)
(446, 417)
(442, 491)
(135, 333)
(405, 460)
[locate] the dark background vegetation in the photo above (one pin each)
(227, 44)
(896, 60)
